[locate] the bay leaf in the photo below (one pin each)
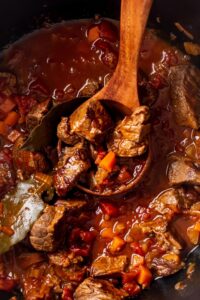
(44, 134)
(21, 208)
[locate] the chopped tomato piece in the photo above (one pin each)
(7, 284)
(12, 118)
(130, 276)
(135, 246)
(109, 209)
(132, 288)
(67, 294)
(108, 162)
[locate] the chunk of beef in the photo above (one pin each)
(167, 203)
(72, 206)
(183, 170)
(73, 163)
(164, 258)
(166, 265)
(90, 121)
(93, 289)
(7, 174)
(49, 231)
(64, 259)
(8, 83)
(107, 265)
(185, 95)
(36, 114)
(90, 88)
(64, 134)
(129, 137)
(147, 93)
(27, 162)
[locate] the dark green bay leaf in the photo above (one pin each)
(21, 208)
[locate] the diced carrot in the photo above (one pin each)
(107, 233)
(3, 128)
(193, 235)
(7, 105)
(136, 260)
(108, 162)
(12, 118)
(13, 136)
(109, 209)
(197, 226)
(93, 34)
(7, 230)
(116, 244)
(144, 277)
(119, 227)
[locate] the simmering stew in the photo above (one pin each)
(57, 242)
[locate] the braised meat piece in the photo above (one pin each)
(93, 289)
(167, 203)
(49, 231)
(64, 134)
(73, 163)
(64, 259)
(89, 89)
(183, 170)
(185, 95)
(36, 114)
(129, 137)
(108, 265)
(8, 83)
(7, 174)
(27, 162)
(168, 260)
(72, 205)
(90, 121)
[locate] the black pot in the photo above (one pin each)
(18, 17)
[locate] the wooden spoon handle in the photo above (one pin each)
(122, 87)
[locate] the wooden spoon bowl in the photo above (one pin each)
(121, 91)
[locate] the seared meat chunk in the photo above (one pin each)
(8, 83)
(93, 289)
(90, 88)
(167, 261)
(36, 114)
(72, 205)
(166, 265)
(7, 174)
(183, 170)
(185, 95)
(73, 163)
(129, 137)
(167, 203)
(27, 162)
(64, 134)
(64, 259)
(107, 265)
(49, 231)
(90, 121)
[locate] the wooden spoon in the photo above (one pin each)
(122, 87)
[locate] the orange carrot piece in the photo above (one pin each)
(116, 244)
(7, 230)
(108, 162)
(12, 118)
(93, 34)
(3, 128)
(144, 277)
(7, 105)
